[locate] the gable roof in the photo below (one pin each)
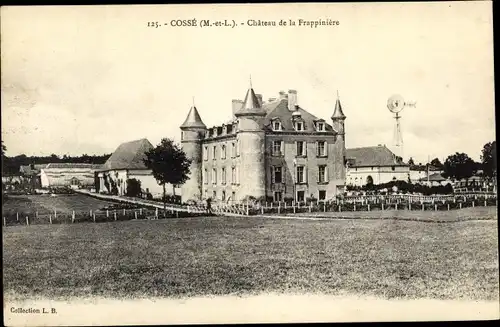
(279, 109)
(374, 156)
(69, 165)
(128, 155)
(436, 177)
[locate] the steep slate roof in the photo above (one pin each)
(193, 119)
(70, 165)
(279, 109)
(251, 104)
(372, 157)
(338, 113)
(128, 155)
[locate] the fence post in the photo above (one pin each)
(107, 213)
(485, 202)
(36, 214)
(382, 206)
(156, 213)
(396, 205)
(285, 205)
(340, 207)
(294, 208)
(354, 206)
(135, 214)
(324, 206)
(368, 207)
(73, 216)
(435, 207)
(271, 205)
(409, 205)
(124, 212)
(247, 211)
(27, 221)
(114, 215)
(17, 216)
(261, 209)
(93, 217)
(279, 207)
(140, 211)
(310, 206)
(55, 213)
(50, 219)
(460, 205)
(448, 207)
(423, 207)
(90, 213)
(473, 203)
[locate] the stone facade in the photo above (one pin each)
(271, 150)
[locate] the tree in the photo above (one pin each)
(436, 163)
(169, 165)
(411, 162)
(489, 159)
(459, 166)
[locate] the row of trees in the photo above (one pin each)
(460, 166)
(11, 165)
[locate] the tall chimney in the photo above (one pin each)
(237, 104)
(292, 100)
(259, 97)
(283, 95)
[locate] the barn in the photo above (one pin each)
(74, 175)
(127, 162)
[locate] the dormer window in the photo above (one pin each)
(299, 126)
(224, 130)
(320, 126)
(276, 125)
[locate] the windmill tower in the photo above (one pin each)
(396, 104)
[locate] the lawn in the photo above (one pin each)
(476, 213)
(46, 204)
(251, 255)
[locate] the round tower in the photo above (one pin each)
(192, 133)
(338, 119)
(251, 139)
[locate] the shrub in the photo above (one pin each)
(133, 188)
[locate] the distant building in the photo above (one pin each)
(31, 173)
(374, 165)
(435, 179)
(269, 150)
(75, 175)
(127, 162)
(420, 172)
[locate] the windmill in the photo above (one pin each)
(396, 104)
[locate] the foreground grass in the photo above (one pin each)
(477, 213)
(219, 256)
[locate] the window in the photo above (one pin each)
(233, 150)
(277, 148)
(205, 153)
(206, 194)
(299, 126)
(215, 152)
(276, 125)
(322, 195)
(182, 135)
(322, 174)
(320, 127)
(214, 176)
(278, 178)
(214, 195)
(300, 174)
(223, 195)
(300, 196)
(238, 148)
(393, 168)
(278, 196)
(223, 152)
(205, 176)
(233, 196)
(322, 149)
(223, 175)
(301, 148)
(233, 175)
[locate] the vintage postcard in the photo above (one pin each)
(248, 163)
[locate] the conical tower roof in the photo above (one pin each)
(193, 119)
(338, 113)
(251, 104)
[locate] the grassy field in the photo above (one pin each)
(477, 213)
(251, 255)
(45, 204)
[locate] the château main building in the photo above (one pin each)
(273, 150)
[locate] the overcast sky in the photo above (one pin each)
(84, 79)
